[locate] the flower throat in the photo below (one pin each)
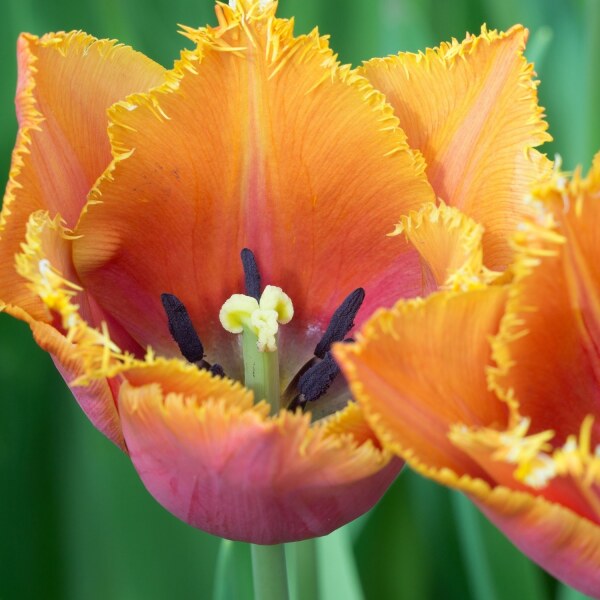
(256, 316)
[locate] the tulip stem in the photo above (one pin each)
(261, 371)
(479, 571)
(306, 578)
(269, 572)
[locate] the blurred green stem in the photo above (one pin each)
(269, 572)
(307, 584)
(221, 591)
(474, 553)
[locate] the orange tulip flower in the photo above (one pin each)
(494, 391)
(127, 231)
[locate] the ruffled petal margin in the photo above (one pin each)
(43, 264)
(419, 371)
(471, 108)
(219, 463)
(547, 349)
(66, 83)
(413, 375)
(449, 244)
(560, 541)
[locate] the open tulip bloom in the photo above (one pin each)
(198, 248)
(494, 391)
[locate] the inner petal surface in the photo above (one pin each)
(260, 140)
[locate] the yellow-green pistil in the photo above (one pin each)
(258, 321)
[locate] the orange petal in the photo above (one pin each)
(562, 542)
(259, 140)
(522, 461)
(414, 376)
(471, 108)
(66, 83)
(547, 349)
(220, 464)
(559, 540)
(449, 244)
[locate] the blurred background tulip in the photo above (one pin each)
(75, 521)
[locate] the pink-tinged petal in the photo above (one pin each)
(259, 140)
(98, 399)
(66, 83)
(520, 460)
(559, 540)
(221, 464)
(564, 543)
(471, 108)
(46, 269)
(414, 376)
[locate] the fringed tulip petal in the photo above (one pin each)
(549, 356)
(525, 461)
(43, 264)
(562, 542)
(258, 140)
(412, 414)
(98, 398)
(449, 244)
(66, 83)
(221, 464)
(414, 377)
(523, 444)
(471, 108)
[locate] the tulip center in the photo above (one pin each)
(256, 317)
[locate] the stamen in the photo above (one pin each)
(183, 332)
(251, 273)
(217, 370)
(316, 381)
(182, 329)
(341, 322)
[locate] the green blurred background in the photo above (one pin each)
(76, 523)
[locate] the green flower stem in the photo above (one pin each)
(473, 547)
(303, 569)
(269, 572)
(261, 375)
(261, 371)
(223, 570)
